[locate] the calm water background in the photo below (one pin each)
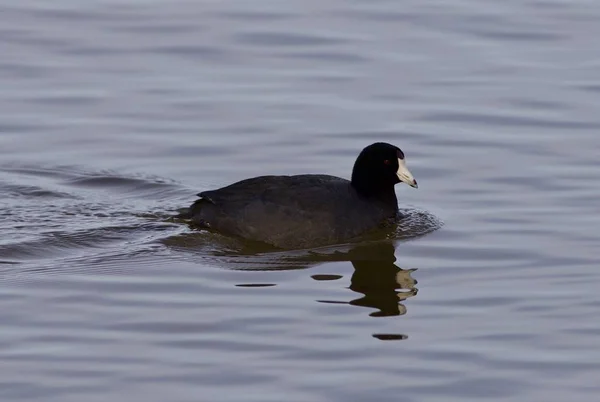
(113, 113)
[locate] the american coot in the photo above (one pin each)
(308, 210)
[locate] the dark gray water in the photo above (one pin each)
(114, 113)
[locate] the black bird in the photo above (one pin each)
(310, 210)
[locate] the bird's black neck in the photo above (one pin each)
(377, 191)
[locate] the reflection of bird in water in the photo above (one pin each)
(383, 284)
(380, 280)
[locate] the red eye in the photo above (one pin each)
(387, 162)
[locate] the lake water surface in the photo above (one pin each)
(115, 113)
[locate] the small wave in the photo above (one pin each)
(416, 223)
(63, 181)
(61, 243)
(57, 213)
(28, 191)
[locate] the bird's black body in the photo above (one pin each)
(305, 211)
